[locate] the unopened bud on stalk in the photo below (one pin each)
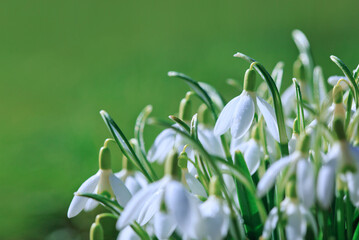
(171, 165)
(255, 133)
(296, 126)
(338, 127)
(303, 144)
(105, 156)
(183, 159)
(299, 70)
(337, 94)
(250, 80)
(290, 190)
(185, 109)
(204, 115)
(215, 187)
(96, 232)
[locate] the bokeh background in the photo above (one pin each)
(61, 62)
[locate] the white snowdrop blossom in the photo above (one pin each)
(252, 154)
(133, 180)
(211, 142)
(297, 218)
(298, 164)
(104, 181)
(238, 114)
(215, 217)
(169, 194)
(342, 159)
(128, 234)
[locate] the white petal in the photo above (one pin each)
(164, 142)
(210, 142)
(78, 203)
(164, 225)
(91, 205)
(325, 185)
(252, 156)
(151, 207)
(288, 100)
(134, 206)
(182, 207)
(243, 115)
(333, 80)
(305, 182)
(310, 219)
(296, 226)
(128, 234)
(292, 144)
(195, 186)
(353, 186)
(269, 117)
(120, 190)
(270, 223)
(132, 185)
(271, 174)
(215, 218)
(224, 120)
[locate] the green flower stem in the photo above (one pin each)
(276, 100)
(349, 75)
(300, 111)
(340, 215)
(349, 209)
(348, 110)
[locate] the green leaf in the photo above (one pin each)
(180, 123)
(215, 96)
(356, 73)
(354, 88)
(111, 205)
(123, 143)
(194, 127)
(247, 201)
(139, 127)
(300, 111)
(276, 100)
(196, 87)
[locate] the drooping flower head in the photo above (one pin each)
(103, 182)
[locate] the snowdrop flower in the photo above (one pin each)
(251, 150)
(238, 114)
(215, 213)
(299, 166)
(342, 160)
(211, 143)
(104, 181)
(168, 138)
(296, 216)
(293, 141)
(133, 180)
(334, 80)
(167, 201)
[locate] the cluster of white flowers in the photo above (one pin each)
(288, 162)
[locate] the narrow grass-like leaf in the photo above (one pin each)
(123, 143)
(196, 87)
(180, 123)
(215, 96)
(349, 75)
(300, 110)
(111, 205)
(194, 127)
(276, 100)
(356, 73)
(139, 127)
(247, 201)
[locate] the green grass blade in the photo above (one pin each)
(123, 143)
(111, 205)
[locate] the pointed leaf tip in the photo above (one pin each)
(172, 73)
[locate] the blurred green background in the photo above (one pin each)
(61, 62)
